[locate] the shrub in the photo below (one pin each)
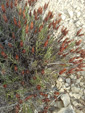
(32, 56)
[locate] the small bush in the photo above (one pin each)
(31, 57)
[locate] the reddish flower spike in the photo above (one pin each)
(42, 72)
(13, 35)
(21, 43)
(45, 6)
(56, 93)
(3, 53)
(78, 42)
(15, 2)
(9, 44)
(1, 46)
(39, 10)
(46, 43)
(17, 57)
(11, 4)
(38, 87)
(23, 51)
(27, 98)
(15, 21)
(62, 71)
(7, 4)
(78, 32)
(5, 85)
(20, 11)
(25, 21)
(24, 13)
(23, 83)
(23, 72)
(32, 49)
(31, 25)
(15, 68)
(26, 28)
(19, 24)
(5, 18)
(35, 95)
(3, 8)
(17, 95)
(20, 101)
(34, 78)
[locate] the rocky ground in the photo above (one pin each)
(72, 88)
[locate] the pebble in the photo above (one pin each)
(61, 90)
(75, 89)
(68, 80)
(59, 84)
(78, 14)
(59, 104)
(66, 99)
(68, 109)
(76, 96)
(76, 104)
(78, 81)
(66, 84)
(70, 12)
(60, 79)
(63, 17)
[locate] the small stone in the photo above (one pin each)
(63, 17)
(72, 76)
(59, 104)
(78, 111)
(71, 94)
(72, 85)
(60, 79)
(70, 13)
(59, 84)
(35, 111)
(76, 104)
(66, 84)
(77, 96)
(68, 109)
(78, 81)
(68, 80)
(61, 90)
(75, 89)
(66, 99)
(81, 84)
(78, 14)
(68, 88)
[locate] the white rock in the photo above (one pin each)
(71, 94)
(84, 91)
(66, 99)
(70, 13)
(59, 104)
(35, 111)
(68, 109)
(72, 85)
(77, 96)
(60, 79)
(72, 76)
(61, 90)
(78, 81)
(76, 104)
(68, 80)
(63, 17)
(75, 89)
(66, 84)
(78, 14)
(68, 88)
(59, 84)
